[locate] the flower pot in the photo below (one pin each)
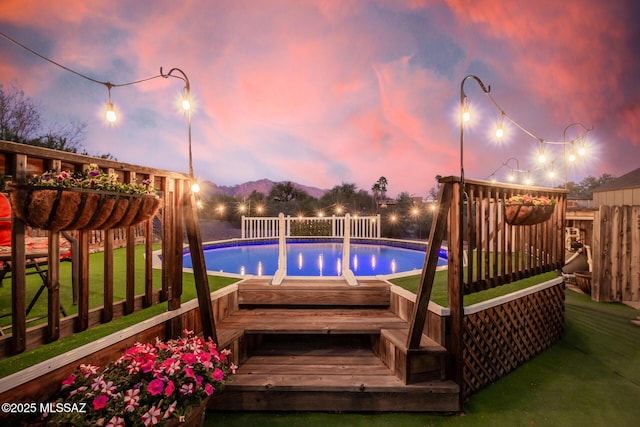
(583, 281)
(59, 209)
(519, 214)
(194, 419)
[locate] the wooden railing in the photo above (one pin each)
(17, 162)
(498, 253)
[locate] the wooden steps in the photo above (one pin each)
(328, 373)
(322, 345)
(310, 292)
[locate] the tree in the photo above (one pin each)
(21, 121)
(286, 198)
(379, 190)
(587, 185)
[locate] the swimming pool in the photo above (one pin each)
(315, 259)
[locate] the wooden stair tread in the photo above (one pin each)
(313, 292)
(311, 321)
(399, 338)
(345, 372)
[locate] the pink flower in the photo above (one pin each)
(151, 417)
(170, 409)
(131, 398)
(170, 366)
(116, 421)
(68, 381)
(188, 372)
(88, 370)
(155, 387)
(186, 389)
(188, 358)
(217, 374)
(170, 388)
(100, 402)
(78, 390)
(208, 389)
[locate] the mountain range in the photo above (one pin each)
(261, 186)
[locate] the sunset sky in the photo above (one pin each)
(326, 92)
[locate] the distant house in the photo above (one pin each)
(621, 191)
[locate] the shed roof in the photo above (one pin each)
(629, 180)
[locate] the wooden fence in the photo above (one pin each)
(17, 162)
(616, 252)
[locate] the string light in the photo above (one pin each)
(500, 129)
(541, 157)
(110, 114)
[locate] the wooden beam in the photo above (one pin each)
(199, 267)
(436, 236)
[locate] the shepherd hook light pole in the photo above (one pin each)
(186, 105)
(464, 116)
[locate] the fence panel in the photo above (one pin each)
(616, 250)
(267, 227)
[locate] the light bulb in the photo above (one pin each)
(466, 116)
(582, 151)
(499, 132)
(512, 178)
(541, 157)
(186, 105)
(572, 157)
(195, 187)
(110, 114)
(552, 174)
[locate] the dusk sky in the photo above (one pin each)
(326, 92)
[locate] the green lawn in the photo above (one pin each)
(589, 378)
(21, 361)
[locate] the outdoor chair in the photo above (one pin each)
(36, 252)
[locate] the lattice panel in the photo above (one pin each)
(501, 338)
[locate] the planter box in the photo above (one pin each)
(520, 214)
(59, 209)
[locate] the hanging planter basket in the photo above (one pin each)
(519, 214)
(59, 209)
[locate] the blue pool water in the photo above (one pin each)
(312, 259)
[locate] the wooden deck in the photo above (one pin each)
(322, 345)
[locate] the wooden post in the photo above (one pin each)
(82, 321)
(107, 313)
(53, 287)
(148, 263)
(455, 289)
(18, 275)
(129, 306)
(436, 236)
(199, 268)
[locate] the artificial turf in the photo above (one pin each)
(591, 377)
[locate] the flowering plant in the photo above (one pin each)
(148, 385)
(527, 199)
(93, 178)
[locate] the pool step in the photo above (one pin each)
(312, 292)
